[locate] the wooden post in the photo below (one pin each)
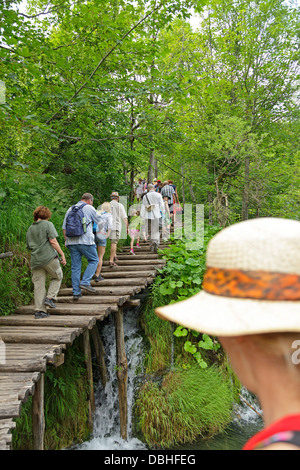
(100, 354)
(122, 371)
(88, 364)
(38, 417)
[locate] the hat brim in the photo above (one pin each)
(226, 316)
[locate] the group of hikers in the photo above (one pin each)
(86, 231)
(250, 296)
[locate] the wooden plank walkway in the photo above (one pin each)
(29, 345)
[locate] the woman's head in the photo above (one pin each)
(42, 213)
(262, 356)
(251, 284)
(105, 207)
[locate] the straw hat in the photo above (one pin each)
(251, 284)
(114, 195)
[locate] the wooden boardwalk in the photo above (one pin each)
(28, 346)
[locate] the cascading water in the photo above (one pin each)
(106, 434)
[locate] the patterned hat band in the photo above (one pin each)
(258, 285)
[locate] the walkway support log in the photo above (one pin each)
(122, 371)
(88, 364)
(100, 354)
(38, 417)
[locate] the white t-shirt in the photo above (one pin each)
(118, 214)
(106, 223)
(155, 199)
(139, 188)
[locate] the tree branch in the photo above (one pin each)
(101, 62)
(127, 136)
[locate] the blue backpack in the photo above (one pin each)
(75, 223)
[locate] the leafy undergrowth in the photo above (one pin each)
(180, 279)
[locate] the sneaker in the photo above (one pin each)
(40, 314)
(137, 245)
(88, 288)
(98, 278)
(77, 296)
(132, 252)
(49, 302)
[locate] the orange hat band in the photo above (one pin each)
(259, 285)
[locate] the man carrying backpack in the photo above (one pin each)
(79, 238)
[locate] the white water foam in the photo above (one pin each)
(248, 411)
(106, 433)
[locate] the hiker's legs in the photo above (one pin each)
(113, 251)
(90, 253)
(75, 268)
(153, 230)
(54, 270)
(114, 238)
(131, 241)
(101, 251)
(39, 282)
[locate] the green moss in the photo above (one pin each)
(188, 404)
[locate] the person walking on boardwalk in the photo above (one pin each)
(168, 192)
(41, 241)
(251, 301)
(158, 186)
(101, 235)
(152, 209)
(119, 216)
(139, 189)
(79, 238)
(135, 230)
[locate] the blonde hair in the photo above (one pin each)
(106, 206)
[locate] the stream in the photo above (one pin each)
(106, 434)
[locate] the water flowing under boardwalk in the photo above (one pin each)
(28, 346)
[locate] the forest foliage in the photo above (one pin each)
(96, 93)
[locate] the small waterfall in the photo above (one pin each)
(106, 434)
(248, 410)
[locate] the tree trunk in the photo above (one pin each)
(125, 171)
(192, 192)
(132, 185)
(210, 208)
(151, 166)
(245, 198)
(183, 188)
